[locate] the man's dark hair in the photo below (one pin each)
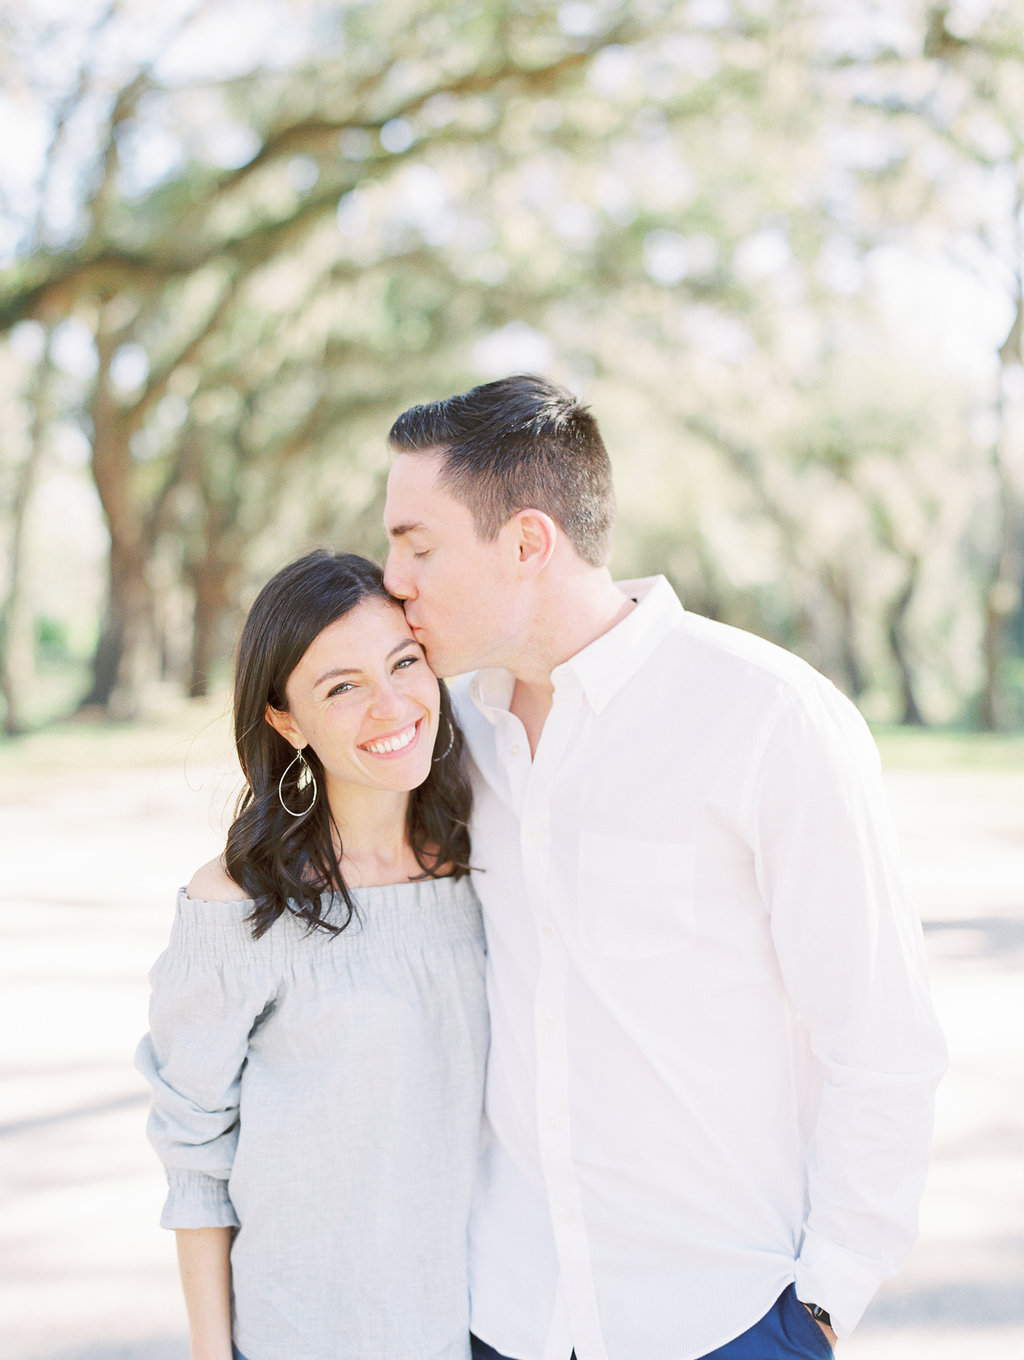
(521, 443)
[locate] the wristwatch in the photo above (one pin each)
(817, 1313)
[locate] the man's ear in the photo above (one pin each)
(282, 721)
(536, 536)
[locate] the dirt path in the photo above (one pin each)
(91, 863)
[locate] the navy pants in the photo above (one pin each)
(786, 1332)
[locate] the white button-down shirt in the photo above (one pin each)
(713, 1054)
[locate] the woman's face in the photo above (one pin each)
(364, 698)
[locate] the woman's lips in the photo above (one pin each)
(394, 743)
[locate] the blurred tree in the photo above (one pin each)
(676, 205)
(167, 274)
(17, 659)
(950, 115)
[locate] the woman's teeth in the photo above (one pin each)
(389, 744)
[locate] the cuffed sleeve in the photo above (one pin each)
(852, 957)
(209, 989)
(196, 1200)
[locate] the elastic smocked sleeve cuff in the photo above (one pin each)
(837, 1280)
(196, 1200)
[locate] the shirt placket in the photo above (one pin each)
(551, 1040)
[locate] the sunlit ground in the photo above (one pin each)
(100, 827)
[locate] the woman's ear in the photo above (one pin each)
(282, 721)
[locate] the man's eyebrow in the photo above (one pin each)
(400, 530)
(337, 671)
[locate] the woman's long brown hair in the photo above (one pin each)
(291, 864)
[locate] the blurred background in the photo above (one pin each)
(776, 244)
(778, 247)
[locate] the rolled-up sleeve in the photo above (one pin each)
(852, 957)
(209, 988)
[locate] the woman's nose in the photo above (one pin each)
(387, 702)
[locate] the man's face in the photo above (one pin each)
(459, 591)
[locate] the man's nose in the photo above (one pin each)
(395, 582)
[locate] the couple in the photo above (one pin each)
(712, 1053)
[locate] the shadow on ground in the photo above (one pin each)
(148, 1348)
(999, 940)
(952, 1303)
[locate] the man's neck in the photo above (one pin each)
(588, 609)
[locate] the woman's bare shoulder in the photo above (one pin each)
(213, 883)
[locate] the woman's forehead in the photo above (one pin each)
(373, 627)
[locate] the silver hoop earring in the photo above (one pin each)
(303, 780)
(451, 742)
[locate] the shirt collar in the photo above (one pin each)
(491, 691)
(602, 668)
(607, 663)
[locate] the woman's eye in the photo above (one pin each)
(406, 662)
(343, 688)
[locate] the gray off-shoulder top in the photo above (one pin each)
(323, 1095)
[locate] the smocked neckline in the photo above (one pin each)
(371, 889)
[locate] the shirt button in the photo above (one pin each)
(553, 1124)
(514, 750)
(568, 1217)
(549, 1024)
(548, 932)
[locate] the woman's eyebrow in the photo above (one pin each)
(334, 673)
(337, 671)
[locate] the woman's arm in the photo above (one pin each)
(204, 1263)
(209, 986)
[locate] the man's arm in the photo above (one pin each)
(826, 1328)
(851, 953)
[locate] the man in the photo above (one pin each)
(713, 1054)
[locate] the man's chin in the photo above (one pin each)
(436, 660)
(448, 662)
(447, 665)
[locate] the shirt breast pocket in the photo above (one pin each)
(636, 898)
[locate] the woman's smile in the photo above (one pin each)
(363, 697)
(396, 743)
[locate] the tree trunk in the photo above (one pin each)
(17, 643)
(17, 652)
(1003, 589)
(123, 660)
(213, 582)
(124, 657)
(911, 714)
(836, 579)
(1002, 602)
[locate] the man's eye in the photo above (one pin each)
(422, 553)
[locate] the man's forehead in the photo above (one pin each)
(412, 474)
(417, 464)
(414, 498)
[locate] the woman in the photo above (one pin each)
(318, 1022)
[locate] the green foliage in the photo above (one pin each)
(685, 208)
(52, 641)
